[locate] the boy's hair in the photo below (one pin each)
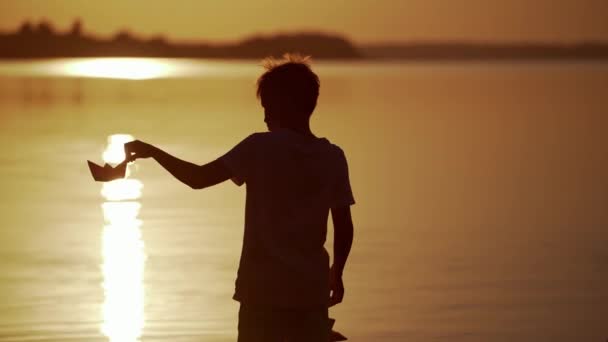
(290, 83)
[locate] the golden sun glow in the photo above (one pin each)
(122, 68)
(122, 189)
(115, 152)
(123, 252)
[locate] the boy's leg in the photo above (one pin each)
(268, 324)
(260, 324)
(309, 325)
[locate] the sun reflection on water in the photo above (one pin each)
(122, 68)
(123, 252)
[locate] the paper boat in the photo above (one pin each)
(107, 173)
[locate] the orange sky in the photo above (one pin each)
(362, 20)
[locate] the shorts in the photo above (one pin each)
(271, 324)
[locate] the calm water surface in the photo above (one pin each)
(481, 215)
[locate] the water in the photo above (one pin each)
(481, 200)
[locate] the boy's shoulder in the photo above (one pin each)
(290, 141)
(284, 136)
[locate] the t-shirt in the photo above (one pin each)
(292, 182)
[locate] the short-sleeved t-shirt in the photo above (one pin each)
(292, 182)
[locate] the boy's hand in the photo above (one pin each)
(138, 149)
(336, 287)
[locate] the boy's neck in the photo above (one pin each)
(303, 129)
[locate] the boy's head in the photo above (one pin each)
(288, 91)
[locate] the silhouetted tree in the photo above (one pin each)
(76, 28)
(158, 40)
(123, 36)
(45, 28)
(26, 28)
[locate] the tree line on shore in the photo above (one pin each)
(42, 40)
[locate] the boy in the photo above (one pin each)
(294, 179)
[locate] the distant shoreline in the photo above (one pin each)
(463, 51)
(37, 41)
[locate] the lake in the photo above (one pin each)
(481, 188)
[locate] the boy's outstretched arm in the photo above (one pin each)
(195, 176)
(343, 240)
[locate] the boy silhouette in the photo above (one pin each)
(294, 180)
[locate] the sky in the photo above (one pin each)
(363, 21)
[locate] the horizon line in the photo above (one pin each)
(385, 43)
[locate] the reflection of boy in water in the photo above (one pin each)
(294, 180)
